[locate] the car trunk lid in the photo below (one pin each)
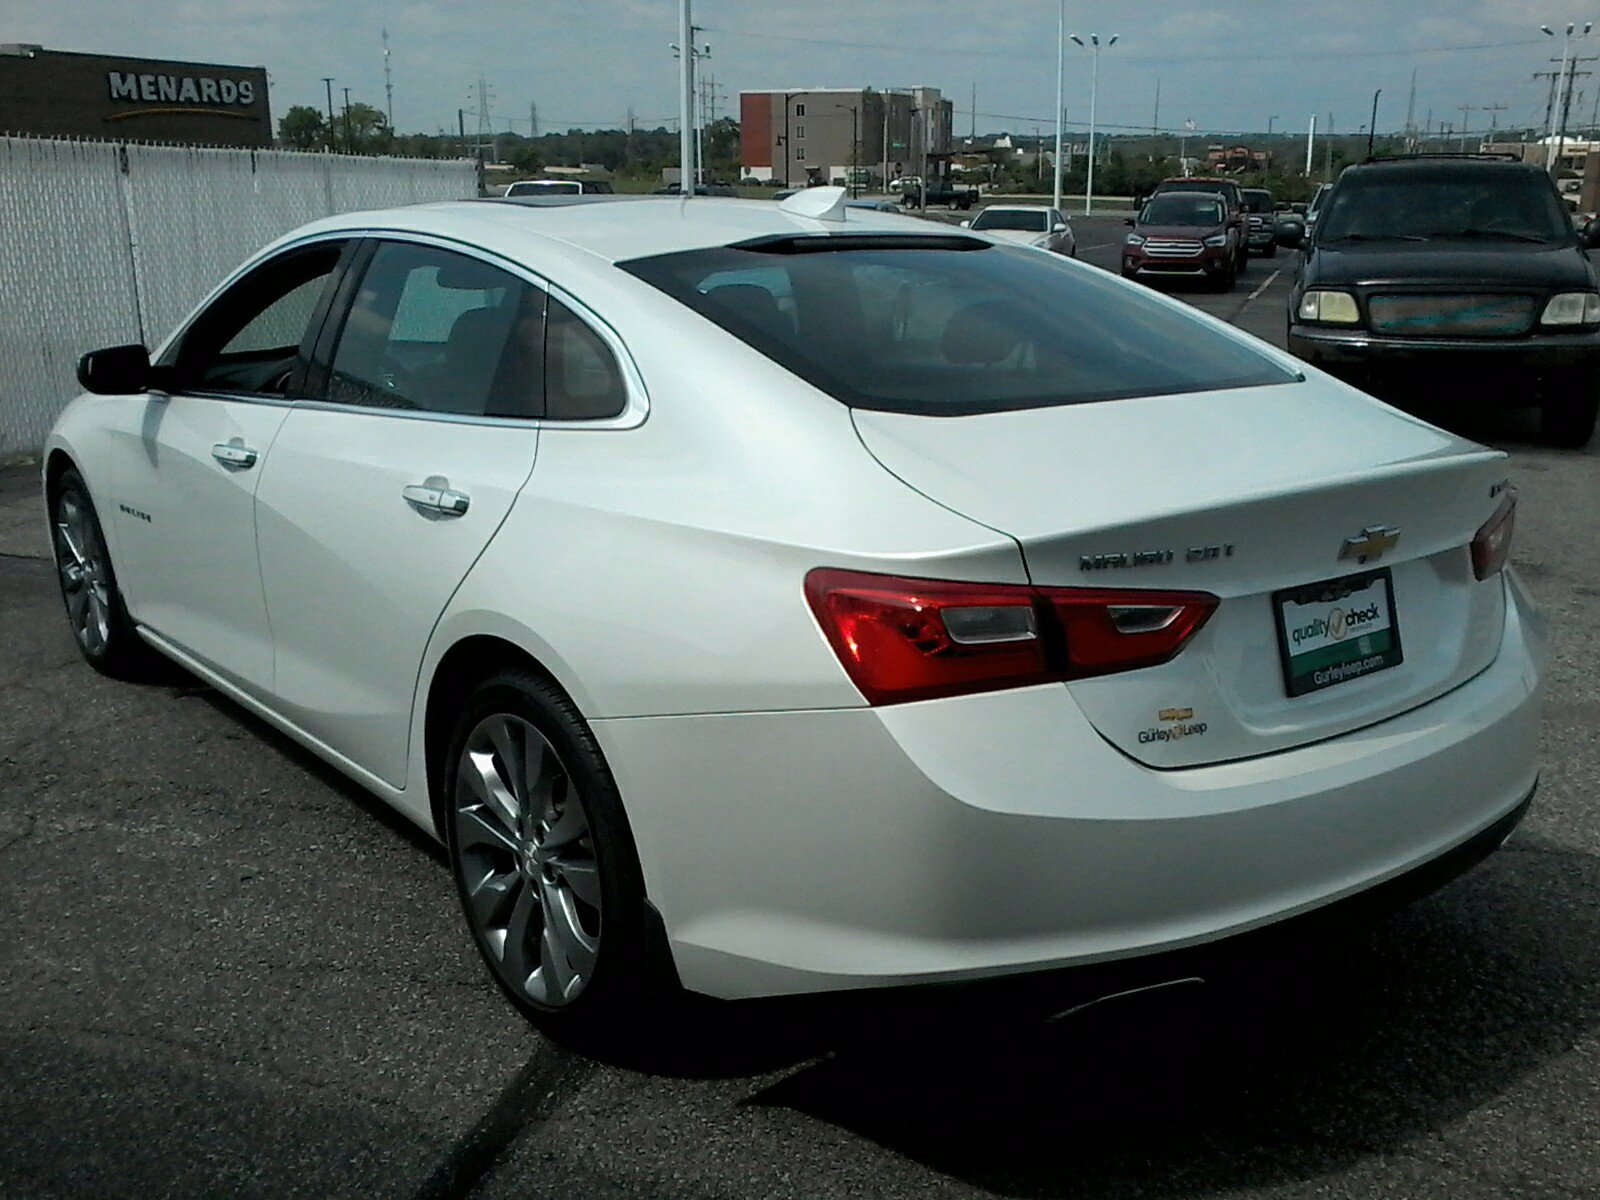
(1184, 493)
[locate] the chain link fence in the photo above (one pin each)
(103, 243)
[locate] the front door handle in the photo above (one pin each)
(234, 454)
(435, 500)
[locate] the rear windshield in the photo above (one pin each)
(1220, 188)
(1031, 222)
(543, 187)
(1176, 208)
(946, 331)
(1445, 204)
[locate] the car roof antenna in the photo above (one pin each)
(818, 203)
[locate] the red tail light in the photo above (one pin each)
(1491, 545)
(914, 639)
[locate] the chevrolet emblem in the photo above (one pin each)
(1370, 543)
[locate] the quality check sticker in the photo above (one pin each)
(1336, 631)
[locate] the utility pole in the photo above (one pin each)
(1311, 142)
(349, 137)
(388, 82)
(533, 119)
(327, 81)
(972, 132)
(1466, 111)
(1372, 126)
(1573, 75)
(1155, 118)
(461, 131)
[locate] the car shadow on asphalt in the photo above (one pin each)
(1302, 1057)
(1285, 1068)
(331, 778)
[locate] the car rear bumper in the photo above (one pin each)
(1340, 351)
(1000, 834)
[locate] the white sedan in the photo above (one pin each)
(768, 599)
(1027, 225)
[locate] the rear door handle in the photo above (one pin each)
(437, 500)
(234, 454)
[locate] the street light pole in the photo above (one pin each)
(1094, 97)
(685, 101)
(1372, 129)
(1061, 66)
(1558, 111)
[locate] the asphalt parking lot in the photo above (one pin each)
(226, 971)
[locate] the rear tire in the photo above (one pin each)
(1225, 281)
(1569, 424)
(105, 634)
(540, 848)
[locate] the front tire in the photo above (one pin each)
(544, 862)
(99, 618)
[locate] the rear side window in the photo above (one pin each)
(946, 331)
(583, 381)
(433, 331)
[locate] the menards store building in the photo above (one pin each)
(55, 93)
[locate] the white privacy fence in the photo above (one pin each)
(102, 243)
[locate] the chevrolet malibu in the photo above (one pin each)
(779, 598)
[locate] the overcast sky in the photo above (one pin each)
(1228, 64)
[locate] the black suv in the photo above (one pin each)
(1261, 220)
(1459, 271)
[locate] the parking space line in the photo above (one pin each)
(1253, 295)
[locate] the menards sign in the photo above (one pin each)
(180, 89)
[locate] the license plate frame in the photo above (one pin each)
(1340, 655)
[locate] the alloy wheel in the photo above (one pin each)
(530, 879)
(82, 563)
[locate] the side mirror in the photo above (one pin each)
(1298, 208)
(115, 371)
(1128, 220)
(1290, 236)
(1059, 227)
(966, 224)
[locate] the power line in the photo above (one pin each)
(971, 52)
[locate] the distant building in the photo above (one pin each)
(57, 93)
(1237, 158)
(817, 135)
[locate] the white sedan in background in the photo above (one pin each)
(767, 599)
(1028, 225)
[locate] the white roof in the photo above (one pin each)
(616, 230)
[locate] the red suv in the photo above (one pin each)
(1232, 196)
(1182, 235)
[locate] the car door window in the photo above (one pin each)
(430, 330)
(255, 337)
(583, 380)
